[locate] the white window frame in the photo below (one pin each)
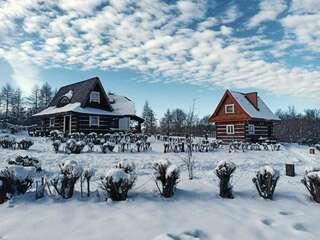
(226, 107)
(95, 96)
(230, 129)
(90, 121)
(251, 129)
(51, 124)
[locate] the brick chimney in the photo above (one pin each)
(253, 99)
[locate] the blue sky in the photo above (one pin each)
(167, 52)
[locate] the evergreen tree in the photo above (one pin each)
(6, 94)
(166, 122)
(149, 119)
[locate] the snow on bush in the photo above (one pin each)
(70, 172)
(168, 175)
(7, 141)
(56, 144)
(56, 135)
(107, 147)
(26, 161)
(73, 146)
(24, 143)
(224, 171)
(117, 183)
(15, 180)
(265, 181)
(128, 167)
(312, 182)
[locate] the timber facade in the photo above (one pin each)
(243, 117)
(85, 107)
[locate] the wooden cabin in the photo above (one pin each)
(86, 107)
(243, 117)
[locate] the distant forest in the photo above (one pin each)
(293, 127)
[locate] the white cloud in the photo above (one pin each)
(269, 10)
(231, 15)
(156, 39)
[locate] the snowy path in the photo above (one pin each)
(196, 207)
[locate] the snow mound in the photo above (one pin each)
(71, 167)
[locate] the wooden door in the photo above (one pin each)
(67, 124)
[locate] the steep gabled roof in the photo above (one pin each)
(260, 112)
(80, 92)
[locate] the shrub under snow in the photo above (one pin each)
(224, 171)
(265, 181)
(116, 184)
(26, 161)
(56, 144)
(7, 141)
(168, 175)
(73, 146)
(64, 183)
(24, 144)
(312, 182)
(107, 147)
(15, 180)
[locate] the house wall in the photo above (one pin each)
(263, 129)
(239, 131)
(238, 115)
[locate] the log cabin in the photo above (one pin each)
(86, 107)
(243, 117)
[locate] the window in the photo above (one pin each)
(94, 121)
(251, 129)
(95, 97)
(229, 108)
(230, 129)
(51, 122)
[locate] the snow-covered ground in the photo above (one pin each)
(195, 212)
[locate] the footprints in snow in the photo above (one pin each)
(296, 226)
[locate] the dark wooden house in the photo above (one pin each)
(86, 107)
(243, 117)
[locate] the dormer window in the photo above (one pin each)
(229, 108)
(95, 97)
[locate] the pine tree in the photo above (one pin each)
(6, 94)
(166, 122)
(45, 95)
(149, 119)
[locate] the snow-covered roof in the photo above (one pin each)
(121, 106)
(262, 111)
(69, 94)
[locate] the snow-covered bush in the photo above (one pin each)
(90, 146)
(24, 144)
(92, 137)
(117, 183)
(70, 172)
(312, 182)
(168, 175)
(56, 144)
(26, 161)
(266, 181)
(128, 167)
(7, 141)
(107, 147)
(224, 171)
(73, 146)
(56, 135)
(15, 180)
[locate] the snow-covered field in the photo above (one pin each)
(195, 210)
